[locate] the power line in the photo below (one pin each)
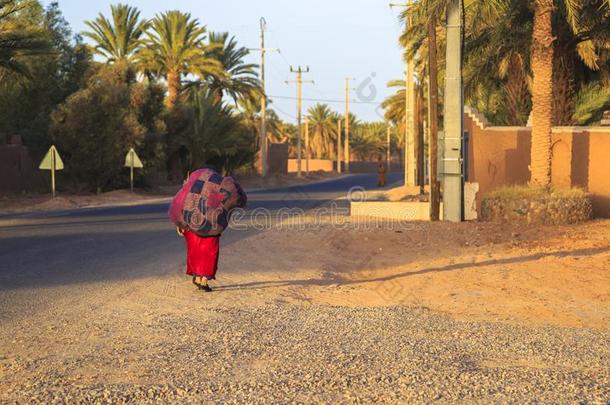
(326, 100)
(282, 112)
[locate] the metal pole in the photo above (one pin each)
(131, 163)
(339, 146)
(53, 165)
(263, 134)
(451, 168)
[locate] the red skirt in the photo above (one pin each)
(201, 255)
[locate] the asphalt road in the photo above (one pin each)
(96, 244)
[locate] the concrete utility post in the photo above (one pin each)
(452, 176)
(263, 128)
(299, 81)
(338, 146)
(347, 146)
(263, 134)
(306, 146)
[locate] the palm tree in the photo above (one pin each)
(589, 25)
(323, 123)
(580, 51)
(120, 38)
(435, 193)
(394, 105)
(175, 47)
(239, 79)
(496, 67)
(420, 41)
(542, 92)
(368, 141)
(420, 37)
(591, 102)
(550, 54)
(275, 127)
(215, 134)
(18, 45)
(249, 111)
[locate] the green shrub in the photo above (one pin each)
(95, 127)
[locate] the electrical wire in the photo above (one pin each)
(325, 100)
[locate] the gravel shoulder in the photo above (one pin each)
(424, 312)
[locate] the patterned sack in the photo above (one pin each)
(205, 201)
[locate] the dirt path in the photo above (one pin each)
(529, 275)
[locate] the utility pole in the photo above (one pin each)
(339, 146)
(263, 128)
(347, 146)
(410, 166)
(452, 156)
(388, 152)
(299, 81)
(435, 192)
(306, 145)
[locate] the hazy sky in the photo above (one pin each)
(336, 38)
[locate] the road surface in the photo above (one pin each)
(82, 246)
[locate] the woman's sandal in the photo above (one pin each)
(203, 287)
(195, 282)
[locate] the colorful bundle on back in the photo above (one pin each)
(205, 201)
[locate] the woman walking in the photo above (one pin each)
(201, 257)
(201, 211)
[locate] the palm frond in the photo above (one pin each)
(120, 37)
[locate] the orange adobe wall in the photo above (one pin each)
(500, 156)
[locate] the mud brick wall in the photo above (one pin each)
(500, 156)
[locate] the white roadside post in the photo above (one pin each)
(52, 161)
(133, 162)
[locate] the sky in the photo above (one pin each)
(335, 38)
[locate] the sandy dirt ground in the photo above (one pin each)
(457, 313)
(16, 203)
(528, 275)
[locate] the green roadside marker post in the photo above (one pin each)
(52, 161)
(133, 162)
